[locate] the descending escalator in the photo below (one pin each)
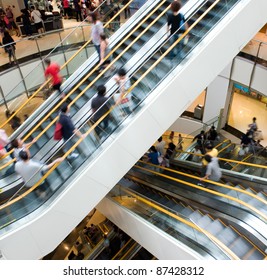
(233, 234)
(63, 177)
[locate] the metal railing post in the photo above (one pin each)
(2, 94)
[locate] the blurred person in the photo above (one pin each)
(160, 147)
(53, 70)
(19, 145)
(68, 130)
(67, 9)
(201, 139)
(213, 171)
(99, 109)
(9, 46)
(122, 98)
(10, 16)
(26, 21)
(38, 21)
(78, 9)
(196, 152)
(104, 51)
(212, 134)
(176, 26)
(97, 29)
(31, 170)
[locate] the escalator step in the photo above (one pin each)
(215, 227)
(240, 247)
(227, 236)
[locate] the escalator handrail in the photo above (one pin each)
(224, 148)
(205, 189)
(64, 65)
(228, 160)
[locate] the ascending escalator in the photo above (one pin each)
(65, 181)
(84, 88)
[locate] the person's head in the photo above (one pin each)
(6, 33)
(153, 149)
(254, 119)
(93, 17)
(32, 8)
(16, 143)
(101, 90)
(160, 139)
(122, 73)
(209, 146)
(175, 6)
(103, 36)
(202, 132)
(64, 108)
(47, 61)
(213, 127)
(208, 158)
(24, 155)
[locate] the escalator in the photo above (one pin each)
(40, 126)
(250, 164)
(120, 144)
(232, 225)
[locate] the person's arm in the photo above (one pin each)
(206, 177)
(194, 138)
(78, 133)
(102, 51)
(47, 167)
(208, 172)
(27, 145)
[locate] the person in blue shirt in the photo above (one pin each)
(68, 130)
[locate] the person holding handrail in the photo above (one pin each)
(53, 70)
(31, 170)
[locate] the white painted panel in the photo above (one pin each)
(215, 98)
(163, 246)
(259, 81)
(242, 70)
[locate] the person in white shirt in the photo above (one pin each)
(31, 170)
(213, 171)
(38, 22)
(160, 147)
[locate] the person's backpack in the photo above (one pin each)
(58, 131)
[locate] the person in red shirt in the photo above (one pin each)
(53, 70)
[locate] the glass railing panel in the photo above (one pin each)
(44, 43)
(69, 48)
(76, 41)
